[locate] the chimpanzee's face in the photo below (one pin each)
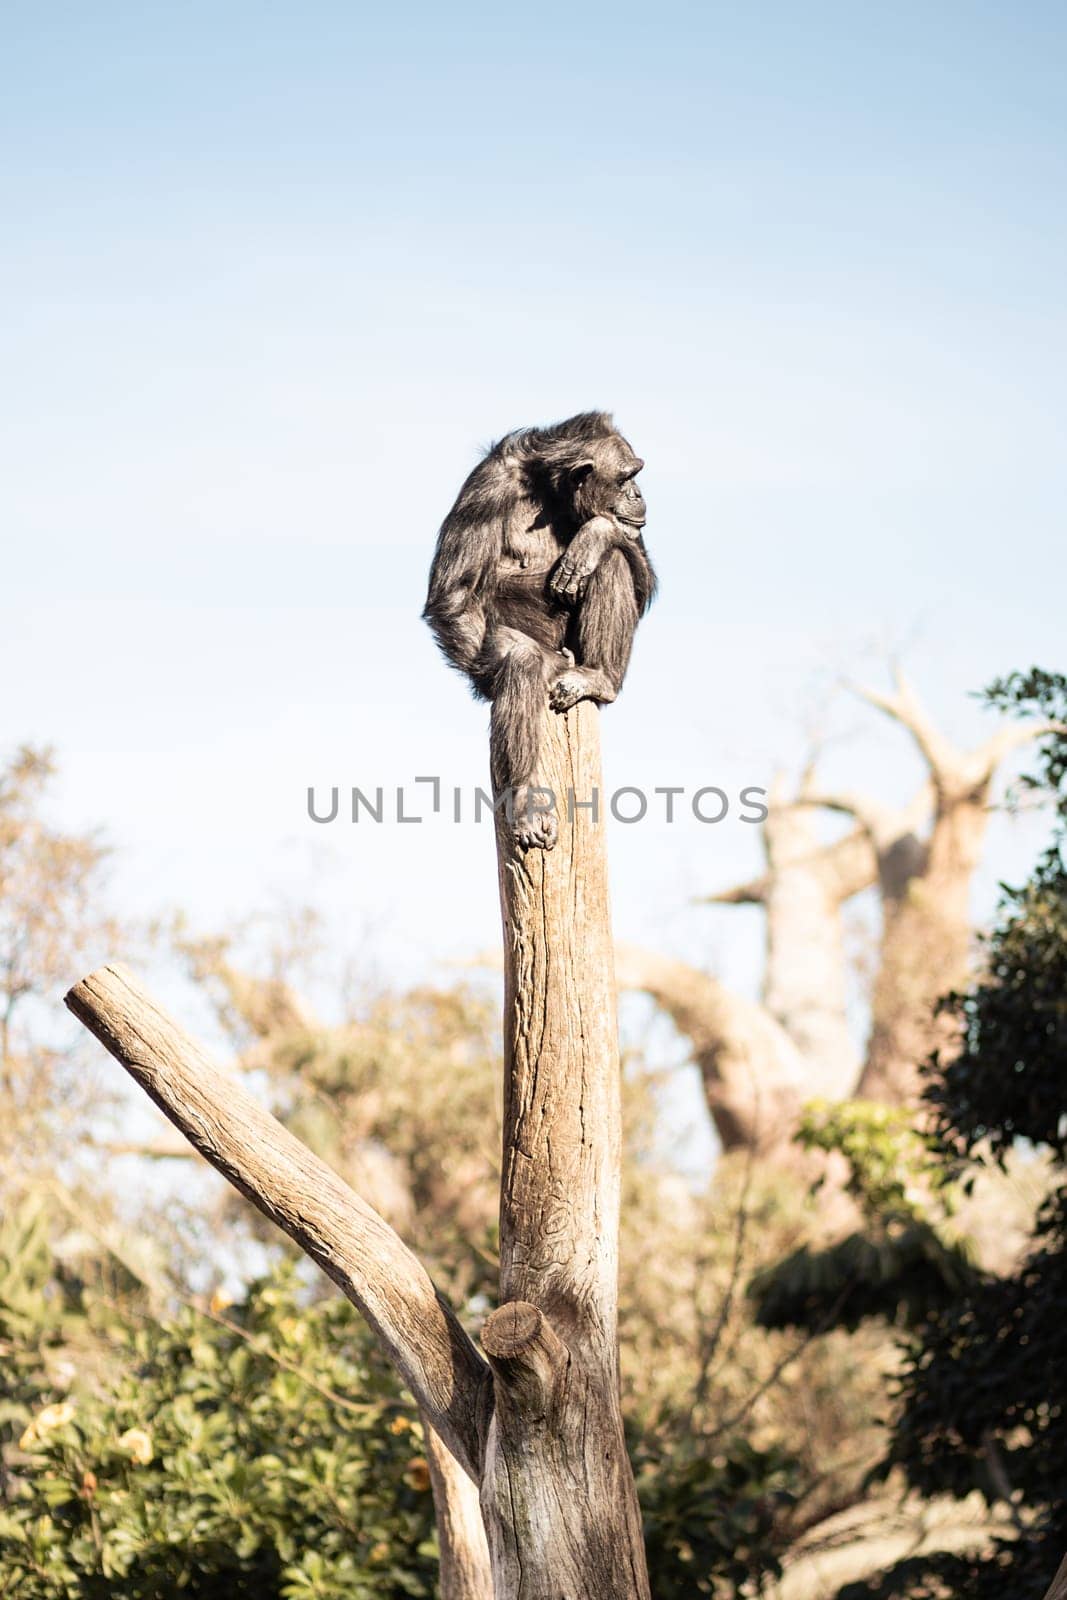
(608, 485)
(628, 501)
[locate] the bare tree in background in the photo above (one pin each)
(760, 1063)
(49, 920)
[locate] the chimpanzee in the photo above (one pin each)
(538, 581)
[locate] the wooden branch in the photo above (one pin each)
(755, 1079)
(850, 865)
(881, 827)
(752, 893)
(365, 1258)
(526, 1356)
(905, 707)
(846, 865)
(874, 817)
(953, 770)
(465, 1573)
(988, 757)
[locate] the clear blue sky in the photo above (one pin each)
(271, 274)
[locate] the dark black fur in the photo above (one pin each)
(539, 579)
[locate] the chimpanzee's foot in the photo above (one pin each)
(538, 831)
(533, 825)
(580, 683)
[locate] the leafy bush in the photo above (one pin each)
(901, 1263)
(713, 1516)
(264, 1449)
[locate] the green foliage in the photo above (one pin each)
(713, 1517)
(1007, 1083)
(902, 1263)
(30, 1321)
(984, 1384)
(897, 1274)
(265, 1450)
(893, 1170)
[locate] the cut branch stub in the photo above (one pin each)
(527, 1359)
(365, 1258)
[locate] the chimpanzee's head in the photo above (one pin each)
(579, 469)
(605, 483)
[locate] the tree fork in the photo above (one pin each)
(537, 1425)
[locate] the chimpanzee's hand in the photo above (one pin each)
(582, 557)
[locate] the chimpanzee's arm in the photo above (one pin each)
(462, 581)
(585, 552)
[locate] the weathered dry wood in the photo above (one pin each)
(360, 1252)
(465, 1573)
(527, 1357)
(558, 1496)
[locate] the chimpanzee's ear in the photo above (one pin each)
(581, 471)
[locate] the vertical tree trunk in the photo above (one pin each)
(925, 951)
(804, 985)
(558, 1495)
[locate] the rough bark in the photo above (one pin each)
(294, 1189)
(558, 1496)
(755, 1079)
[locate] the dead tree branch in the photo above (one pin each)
(755, 1079)
(368, 1261)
